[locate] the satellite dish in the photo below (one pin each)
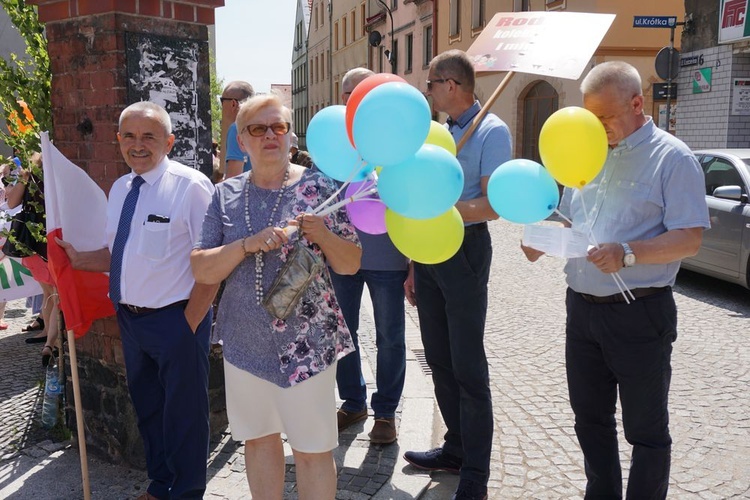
(375, 38)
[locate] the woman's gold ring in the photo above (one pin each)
(269, 241)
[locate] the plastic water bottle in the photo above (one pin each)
(52, 391)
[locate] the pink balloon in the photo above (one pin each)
(367, 213)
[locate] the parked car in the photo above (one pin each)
(725, 250)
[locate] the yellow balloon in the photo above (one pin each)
(427, 241)
(439, 136)
(573, 146)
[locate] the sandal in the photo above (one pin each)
(3, 326)
(53, 352)
(37, 324)
(36, 340)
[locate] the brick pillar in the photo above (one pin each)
(96, 49)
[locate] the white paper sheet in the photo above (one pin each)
(557, 241)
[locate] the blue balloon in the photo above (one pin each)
(330, 148)
(391, 123)
(424, 186)
(522, 191)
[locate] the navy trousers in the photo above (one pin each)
(167, 372)
(626, 347)
(452, 307)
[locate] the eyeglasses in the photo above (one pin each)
(259, 129)
(225, 99)
(441, 80)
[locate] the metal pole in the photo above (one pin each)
(669, 76)
(330, 52)
(391, 54)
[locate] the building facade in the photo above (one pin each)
(319, 89)
(714, 79)
(407, 42)
(529, 99)
(298, 89)
(402, 36)
(349, 42)
(393, 36)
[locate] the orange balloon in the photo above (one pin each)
(22, 125)
(360, 91)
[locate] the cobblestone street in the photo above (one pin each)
(20, 387)
(536, 454)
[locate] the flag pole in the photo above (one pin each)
(485, 109)
(79, 415)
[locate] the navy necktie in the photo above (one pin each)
(123, 231)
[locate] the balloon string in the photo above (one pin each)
(322, 212)
(616, 275)
(558, 212)
(335, 195)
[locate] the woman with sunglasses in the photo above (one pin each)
(279, 374)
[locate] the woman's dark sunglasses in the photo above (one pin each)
(259, 129)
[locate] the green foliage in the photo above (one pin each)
(28, 78)
(217, 86)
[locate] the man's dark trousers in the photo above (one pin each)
(167, 371)
(452, 306)
(625, 346)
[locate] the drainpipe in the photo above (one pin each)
(330, 51)
(435, 4)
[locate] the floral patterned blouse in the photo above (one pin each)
(314, 336)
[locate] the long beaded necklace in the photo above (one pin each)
(259, 255)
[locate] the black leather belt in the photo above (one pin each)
(145, 310)
(482, 226)
(618, 297)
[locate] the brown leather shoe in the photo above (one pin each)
(147, 496)
(384, 431)
(347, 418)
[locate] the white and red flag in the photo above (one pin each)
(77, 213)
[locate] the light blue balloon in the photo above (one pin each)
(330, 148)
(424, 186)
(522, 191)
(391, 123)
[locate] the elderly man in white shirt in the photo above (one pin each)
(154, 216)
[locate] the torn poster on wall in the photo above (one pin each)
(173, 73)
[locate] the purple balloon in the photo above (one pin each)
(367, 213)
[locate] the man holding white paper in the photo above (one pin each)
(647, 210)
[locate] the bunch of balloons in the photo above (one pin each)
(386, 126)
(573, 148)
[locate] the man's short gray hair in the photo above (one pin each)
(144, 108)
(455, 65)
(239, 90)
(353, 77)
(618, 74)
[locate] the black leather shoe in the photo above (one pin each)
(435, 459)
(469, 490)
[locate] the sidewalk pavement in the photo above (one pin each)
(32, 465)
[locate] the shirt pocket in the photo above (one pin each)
(630, 202)
(154, 244)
